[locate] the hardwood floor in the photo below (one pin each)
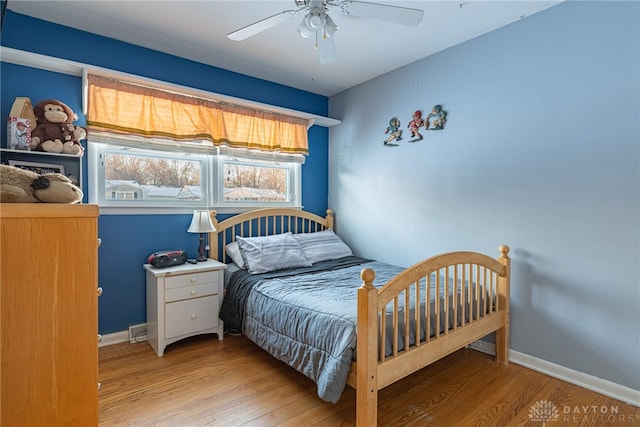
(202, 381)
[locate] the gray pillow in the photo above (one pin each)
(233, 251)
(268, 253)
(322, 246)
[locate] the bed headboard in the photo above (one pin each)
(263, 222)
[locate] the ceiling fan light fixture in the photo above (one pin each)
(304, 30)
(330, 27)
(315, 19)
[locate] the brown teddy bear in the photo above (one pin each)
(23, 186)
(55, 131)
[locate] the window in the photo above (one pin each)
(178, 177)
(257, 182)
(250, 179)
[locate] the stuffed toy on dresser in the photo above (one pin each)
(23, 186)
(55, 131)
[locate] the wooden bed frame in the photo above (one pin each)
(373, 369)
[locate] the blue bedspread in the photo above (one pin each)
(306, 317)
(239, 284)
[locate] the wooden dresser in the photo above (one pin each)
(49, 315)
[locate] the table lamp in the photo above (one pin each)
(201, 223)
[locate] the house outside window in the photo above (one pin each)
(122, 195)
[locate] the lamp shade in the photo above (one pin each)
(304, 31)
(201, 223)
(314, 20)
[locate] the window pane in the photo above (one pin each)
(255, 182)
(132, 176)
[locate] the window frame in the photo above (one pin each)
(212, 159)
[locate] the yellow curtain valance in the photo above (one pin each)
(120, 107)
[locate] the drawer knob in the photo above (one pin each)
(99, 338)
(193, 292)
(99, 386)
(99, 291)
(193, 316)
(194, 280)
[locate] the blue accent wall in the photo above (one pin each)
(127, 240)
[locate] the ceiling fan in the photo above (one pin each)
(317, 22)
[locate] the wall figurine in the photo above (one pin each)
(436, 118)
(394, 132)
(414, 126)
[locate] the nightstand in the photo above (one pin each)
(183, 301)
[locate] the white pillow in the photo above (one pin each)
(233, 250)
(322, 246)
(268, 253)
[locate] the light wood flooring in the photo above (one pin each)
(202, 381)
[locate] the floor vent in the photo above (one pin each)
(138, 333)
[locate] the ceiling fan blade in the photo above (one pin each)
(327, 50)
(262, 25)
(383, 12)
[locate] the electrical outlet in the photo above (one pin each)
(138, 333)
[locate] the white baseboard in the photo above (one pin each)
(114, 338)
(607, 388)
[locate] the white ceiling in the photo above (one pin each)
(197, 30)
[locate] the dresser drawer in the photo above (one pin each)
(192, 315)
(190, 291)
(191, 279)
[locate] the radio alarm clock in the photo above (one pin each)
(163, 259)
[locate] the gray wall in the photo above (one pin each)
(541, 152)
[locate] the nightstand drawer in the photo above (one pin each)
(191, 291)
(193, 315)
(191, 279)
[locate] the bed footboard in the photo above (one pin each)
(466, 297)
